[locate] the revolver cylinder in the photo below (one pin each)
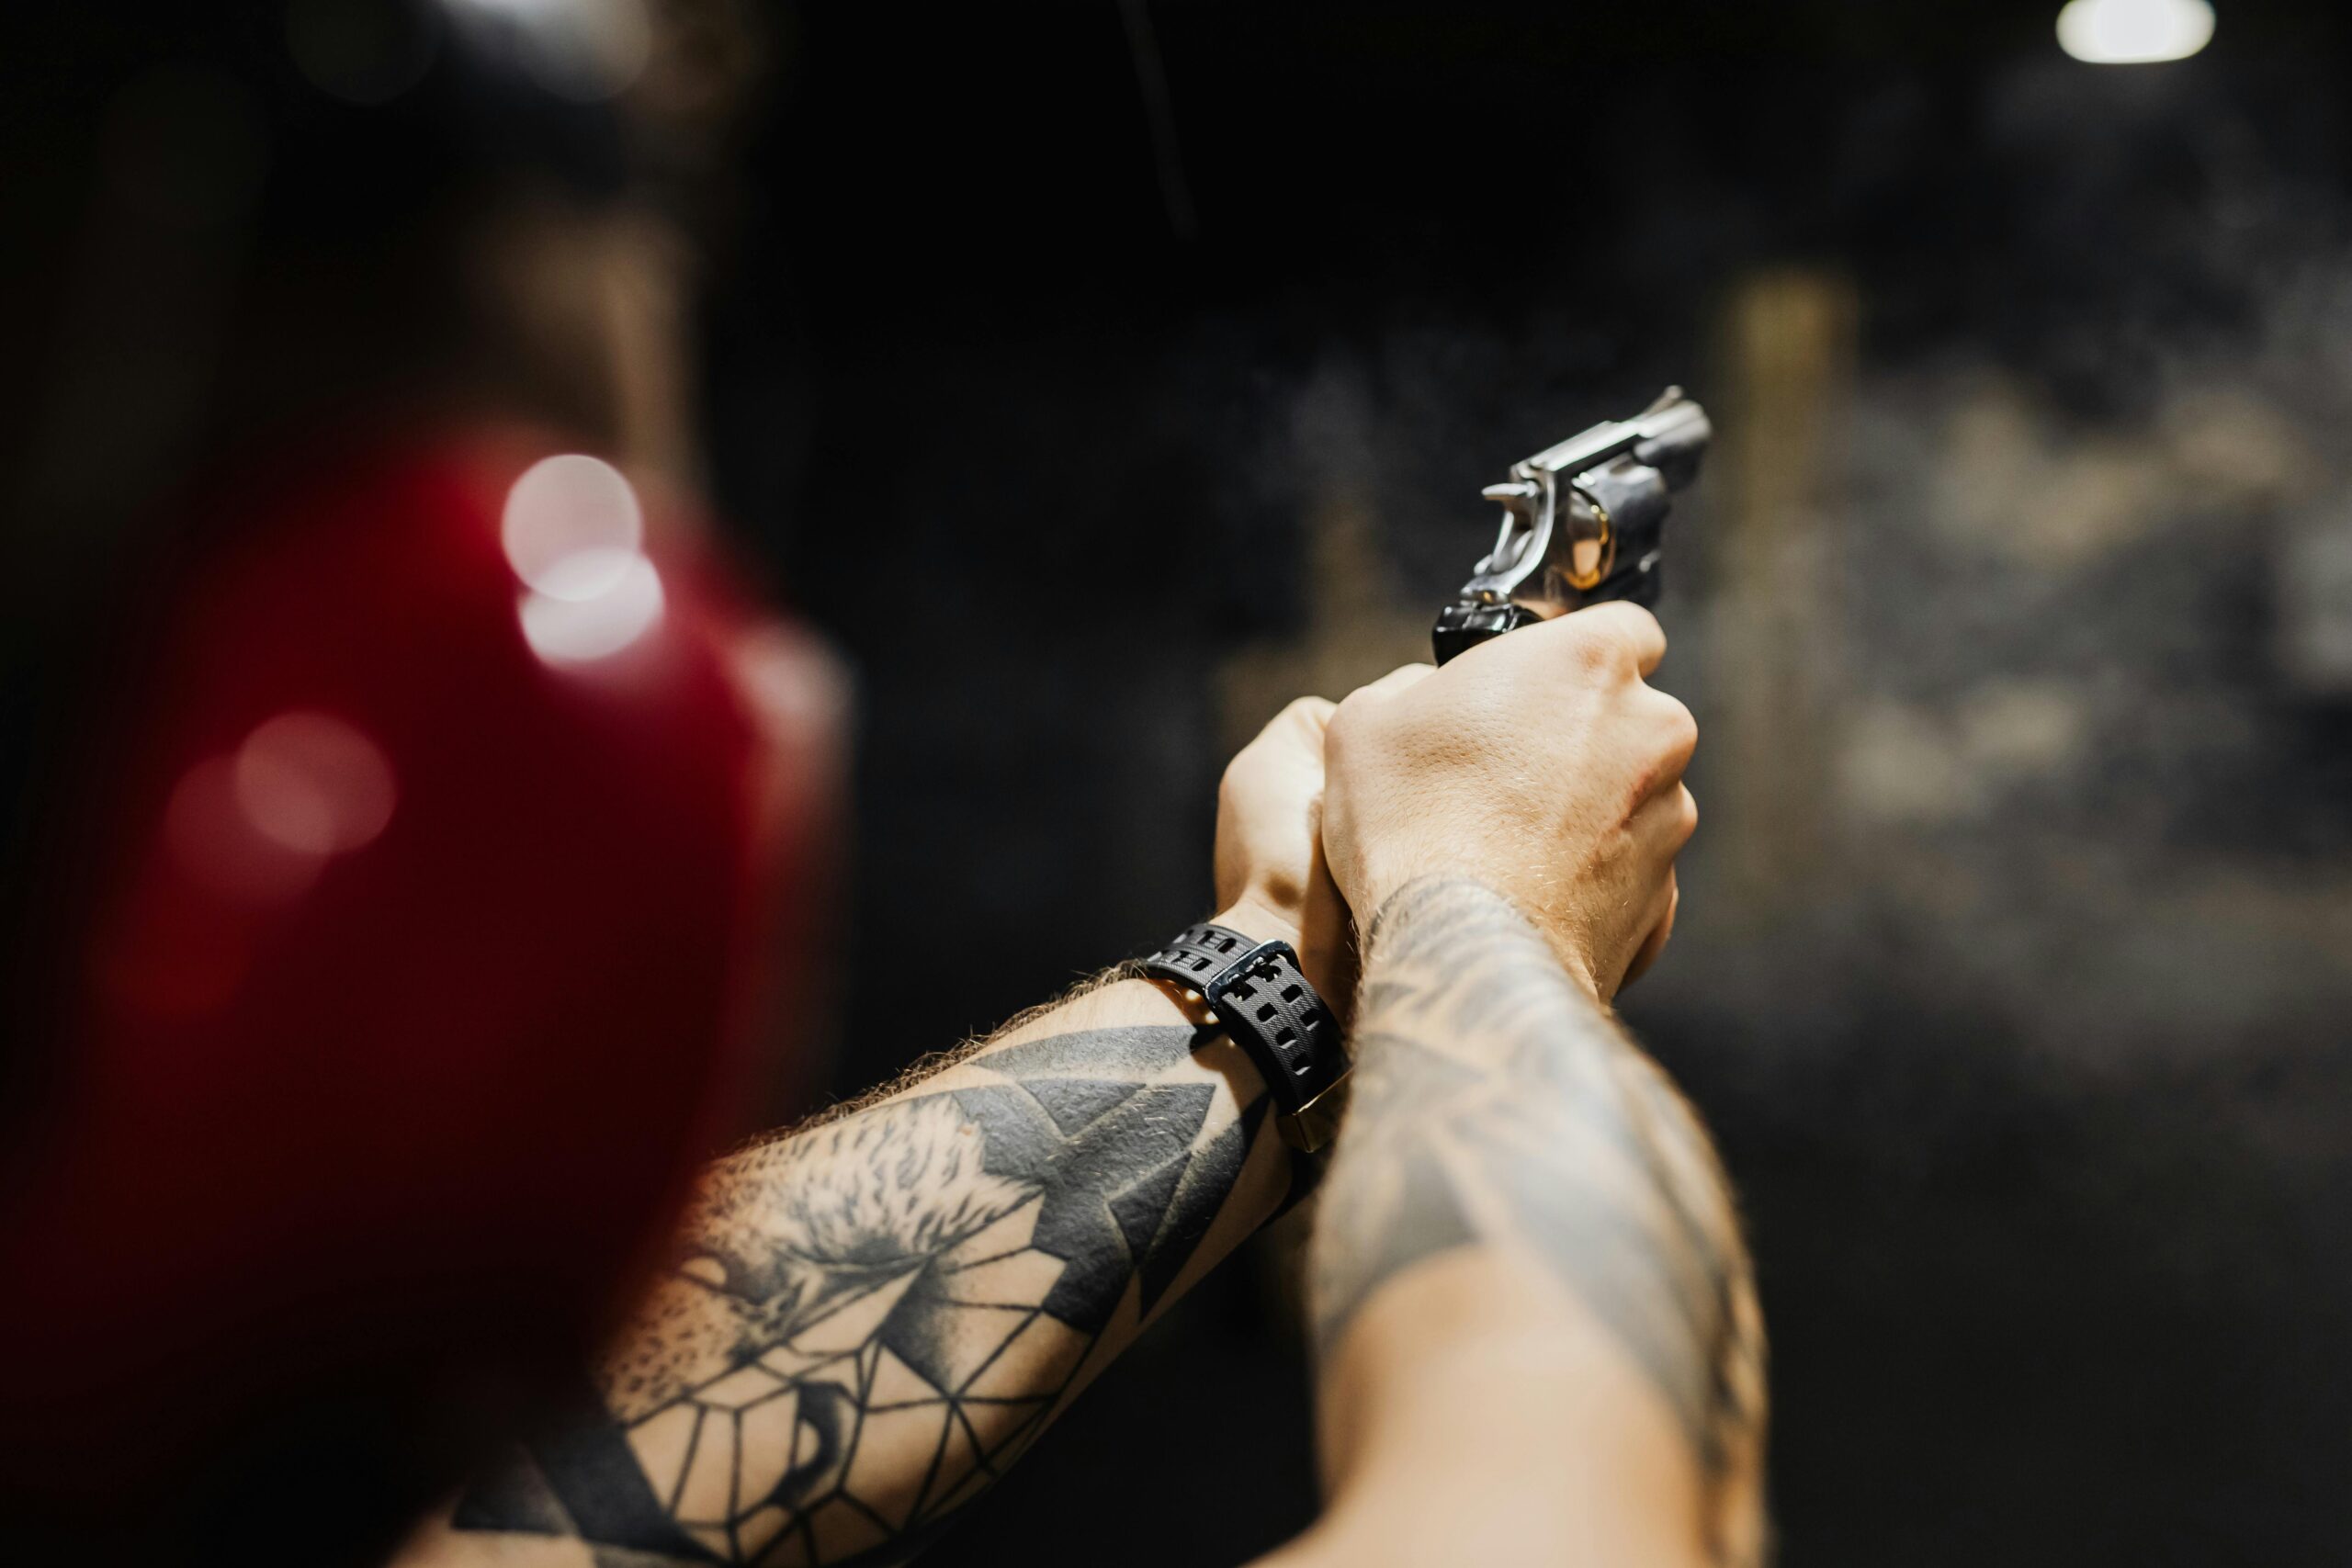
(1583, 522)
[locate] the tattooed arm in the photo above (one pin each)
(870, 1319)
(1537, 1338)
(1537, 1334)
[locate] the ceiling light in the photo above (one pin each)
(2134, 33)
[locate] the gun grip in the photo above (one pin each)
(1467, 625)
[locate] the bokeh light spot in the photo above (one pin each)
(574, 532)
(219, 847)
(577, 631)
(586, 50)
(572, 526)
(314, 784)
(2134, 33)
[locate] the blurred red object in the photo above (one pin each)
(434, 865)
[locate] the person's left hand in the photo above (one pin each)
(1270, 880)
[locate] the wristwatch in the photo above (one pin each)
(1262, 1000)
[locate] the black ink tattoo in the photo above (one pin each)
(873, 1318)
(1496, 1103)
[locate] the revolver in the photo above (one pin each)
(1583, 522)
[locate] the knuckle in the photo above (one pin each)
(1638, 621)
(1620, 654)
(1405, 673)
(1338, 743)
(1681, 726)
(1311, 717)
(1591, 650)
(1350, 715)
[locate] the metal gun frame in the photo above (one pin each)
(1582, 522)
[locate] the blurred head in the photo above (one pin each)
(389, 809)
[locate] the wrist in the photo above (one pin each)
(1244, 969)
(1258, 920)
(1323, 953)
(1434, 894)
(1410, 864)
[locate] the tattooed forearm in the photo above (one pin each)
(872, 1317)
(1496, 1104)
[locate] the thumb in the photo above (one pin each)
(1399, 679)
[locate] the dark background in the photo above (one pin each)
(1099, 375)
(2014, 956)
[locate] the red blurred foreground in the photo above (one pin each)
(416, 964)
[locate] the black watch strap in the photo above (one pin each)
(1262, 999)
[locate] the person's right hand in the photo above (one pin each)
(1538, 764)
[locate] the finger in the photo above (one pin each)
(1327, 927)
(1674, 742)
(1311, 714)
(1662, 824)
(1629, 626)
(1661, 934)
(1398, 679)
(1654, 944)
(1302, 719)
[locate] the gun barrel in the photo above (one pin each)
(1670, 427)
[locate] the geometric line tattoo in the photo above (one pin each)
(1496, 1103)
(869, 1320)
